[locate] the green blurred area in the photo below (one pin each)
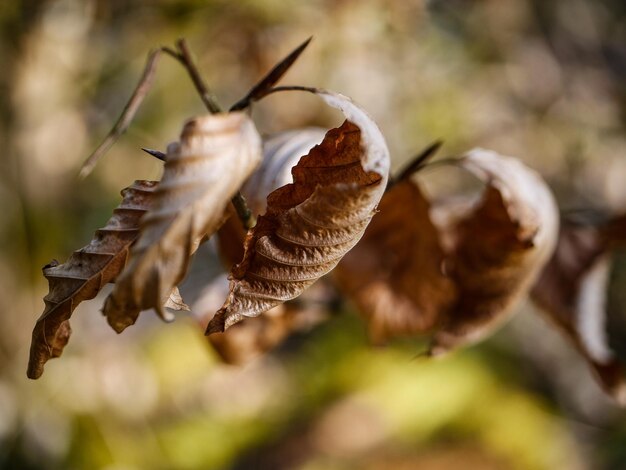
(544, 81)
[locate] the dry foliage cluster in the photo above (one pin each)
(323, 202)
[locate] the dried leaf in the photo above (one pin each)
(309, 225)
(85, 273)
(498, 249)
(249, 339)
(230, 239)
(572, 293)
(281, 153)
(394, 274)
(215, 155)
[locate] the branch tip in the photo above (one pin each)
(263, 86)
(155, 153)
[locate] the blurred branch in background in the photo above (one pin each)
(544, 81)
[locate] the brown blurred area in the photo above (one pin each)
(543, 81)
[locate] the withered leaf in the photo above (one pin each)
(309, 225)
(395, 275)
(281, 152)
(215, 156)
(498, 249)
(249, 339)
(85, 273)
(572, 293)
(230, 239)
(245, 340)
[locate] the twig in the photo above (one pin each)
(144, 85)
(278, 89)
(418, 161)
(184, 57)
(155, 153)
(262, 87)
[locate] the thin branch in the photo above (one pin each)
(419, 161)
(144, 85)
(185, 57)
(278, 89)
(261, 88)
(451, 161)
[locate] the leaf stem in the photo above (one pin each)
(184, 56)
(128, 113)
(419, 161)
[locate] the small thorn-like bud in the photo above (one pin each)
(262, 87)
(155, 153)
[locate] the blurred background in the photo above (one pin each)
(544, 81)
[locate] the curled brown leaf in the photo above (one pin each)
(498, 249)
(395, 273)
(309, 225)
(572, 293)
(456, 269)
(215, 155)
(249, 339)
(281, 153)
(85, 273)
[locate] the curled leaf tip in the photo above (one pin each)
(217, 323)
(572, 293)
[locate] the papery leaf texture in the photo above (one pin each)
(309, 225)
(202, 172)
(250, 339)
(454, 269)
(281, 152)
(85, 273)
(572, 293)
(395, 274)
(498, 249)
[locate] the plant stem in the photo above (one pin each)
(144, 85)
(184, 56)
(260, 89)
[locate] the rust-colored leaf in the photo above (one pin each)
(249, 339)
(572, 293)
(498, 249)
(395, 273)
(215, 156)
(309, 225)
(230, 239)
(85, 273)
(281, 153)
